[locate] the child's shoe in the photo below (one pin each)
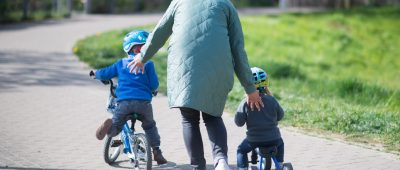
(158, 157)
(222, 165)
(103, 129)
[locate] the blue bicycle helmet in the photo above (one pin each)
(134, 38)
(260, 77)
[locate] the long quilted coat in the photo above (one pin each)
(205, 49)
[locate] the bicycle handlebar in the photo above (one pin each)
(105, 82)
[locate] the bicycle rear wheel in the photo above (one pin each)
(287, 166)
(112, 149)
(143, 151)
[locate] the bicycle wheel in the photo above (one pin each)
(142, 150)
(287, 166)
(266, 164)
(112, 149)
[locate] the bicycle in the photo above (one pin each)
(134, 145)
(265, 155)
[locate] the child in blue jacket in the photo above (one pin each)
(262, 126)
(134, 94)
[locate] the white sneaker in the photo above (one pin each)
(222, 165)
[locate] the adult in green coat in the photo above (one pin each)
(205, 49)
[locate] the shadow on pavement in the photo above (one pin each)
(28, 68)
(169, 166)
(118, 164)
(208, 167)
(31, 168)
(32, 24)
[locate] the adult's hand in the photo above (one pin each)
(136, 65)
(254, 99)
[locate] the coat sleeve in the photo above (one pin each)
(241, 114)
(151, 73)
(160, 34)
(108, 72)
(236, 40)
(279, 110)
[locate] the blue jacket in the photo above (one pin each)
(131, 86)
(262, 126)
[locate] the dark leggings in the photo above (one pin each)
(124, 112)
(247, 146)
(191, 134)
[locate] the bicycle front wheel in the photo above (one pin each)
(143, 151)
(112, 149)
(266, 164)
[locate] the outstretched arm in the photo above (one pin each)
(241, 65)
(107, 73)
(156, 39)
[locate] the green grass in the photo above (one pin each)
(337, 71)
(39, 15)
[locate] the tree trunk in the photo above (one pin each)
(88, 6)
(69, 8)
(137, 6)
(282, 4)
(347, 4)
(111, 5)
(55, 6)
(25, 8)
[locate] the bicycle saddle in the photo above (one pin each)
(268, 151)
(135, 115)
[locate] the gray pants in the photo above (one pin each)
(194, 145)
(124, 112)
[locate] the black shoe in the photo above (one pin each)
(158, 157)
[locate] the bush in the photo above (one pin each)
(12, 11)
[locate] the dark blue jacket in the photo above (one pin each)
(262, 126)
(131, 86)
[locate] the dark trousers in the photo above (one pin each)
(124, 112)
(247, 146)
(191, 134)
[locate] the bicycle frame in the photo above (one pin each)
(275, 162)
(135, 145)
(126, 130)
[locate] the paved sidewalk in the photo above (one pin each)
(51, 109)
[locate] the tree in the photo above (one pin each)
(25, 8)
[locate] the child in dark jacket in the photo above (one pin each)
(262, 126)
(134, 94)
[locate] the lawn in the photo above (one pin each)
(336, 71)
